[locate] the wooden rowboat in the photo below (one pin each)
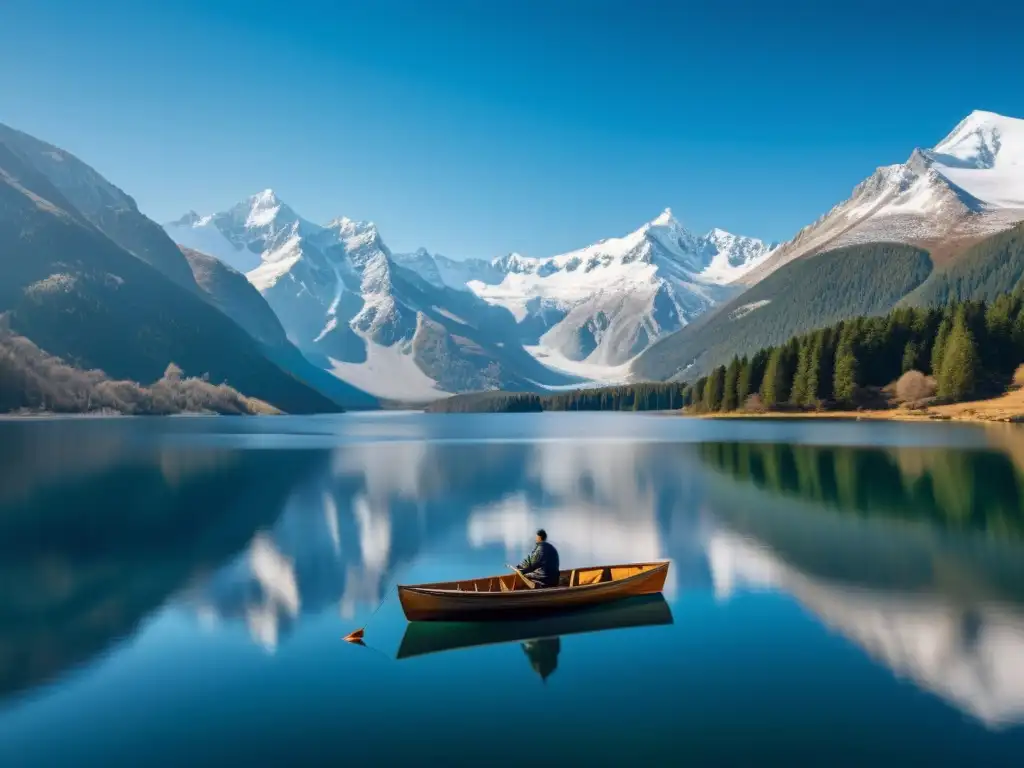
(425, 637)
(514, 595)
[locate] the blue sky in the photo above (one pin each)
(477, 128)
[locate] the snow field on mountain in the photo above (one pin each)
(390, 373)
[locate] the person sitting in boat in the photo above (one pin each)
(541, 565)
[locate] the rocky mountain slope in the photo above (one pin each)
(416, 326)
(943, 199)
(102, 204)
(103, 287)
(941, 225)
(592, 310)
(355, 311)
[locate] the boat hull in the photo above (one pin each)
(425, 637)
(444, 603)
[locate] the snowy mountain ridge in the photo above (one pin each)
(419, 325)
(591, 310)
(970, 184)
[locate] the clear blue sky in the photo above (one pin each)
(476, 128)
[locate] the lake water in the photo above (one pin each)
(175, 591)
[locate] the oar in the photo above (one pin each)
(529, 583)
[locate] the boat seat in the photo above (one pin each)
(622, 573)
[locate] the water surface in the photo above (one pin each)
(174, 591)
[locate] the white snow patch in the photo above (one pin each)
(984, 155)
(746, 309)
(332, 323)
(449, 315)
(389, 373)
(264, 209)
(594, 373)
(267, 274)
(733, 256)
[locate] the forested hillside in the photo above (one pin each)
(834, 286)
(809, 293)
(964, 350)
(986, 270)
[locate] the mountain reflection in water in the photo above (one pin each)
(913, 554)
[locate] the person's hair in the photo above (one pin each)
(542, 534)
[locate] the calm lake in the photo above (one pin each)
(175, 591)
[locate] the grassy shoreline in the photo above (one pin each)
(1005, 408)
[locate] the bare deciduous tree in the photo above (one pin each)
(914, 386)
(31, 379)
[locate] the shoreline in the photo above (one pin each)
(1008, 408)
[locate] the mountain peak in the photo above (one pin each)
(346, 227)
(664, 219)
(718, 235)
(266, 197)
(980, 138)
(188, 220)
(263, 208)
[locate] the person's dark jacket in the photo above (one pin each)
(541, 565)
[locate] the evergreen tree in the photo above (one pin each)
(776, 385)
(997, 352)
(940, 343)
(817, 344)
(1017, 336)
(698, 392)
(713, 389)
(743, 382)
(844, 377)
(960, 360)
(758, 364)
(911, 352)
(801, 380)
(826, 364)
(730, 400)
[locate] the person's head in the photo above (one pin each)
(542, 535)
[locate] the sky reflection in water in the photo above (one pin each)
(177, 589)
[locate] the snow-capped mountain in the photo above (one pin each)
(351, 308)
(970, 184)
(442, 272)
(416, 326)
(591, 310)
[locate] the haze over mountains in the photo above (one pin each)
(315, 316)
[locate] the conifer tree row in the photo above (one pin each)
(656, 396)
(971, 348)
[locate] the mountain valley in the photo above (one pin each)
(316, 317)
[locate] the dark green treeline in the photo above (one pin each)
(971, 348)
(951, 488)
(627, 397)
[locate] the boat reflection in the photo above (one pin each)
(543, 655)
(540, 637)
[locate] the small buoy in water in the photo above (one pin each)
(355, 637)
